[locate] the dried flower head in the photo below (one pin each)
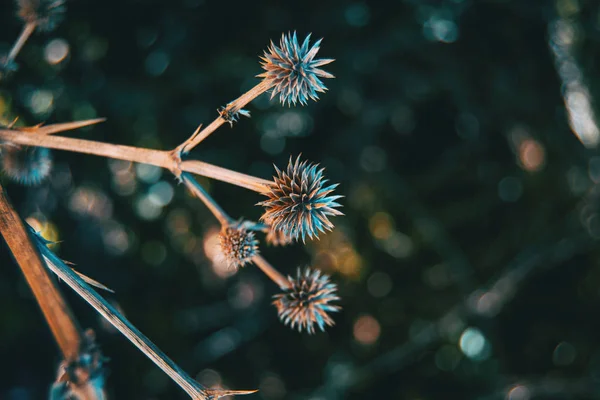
(84, 377)
(278, 238)
(232, 116)
(238, 244)
(307, 301)
(299, 203)
(293, 71)
(45, 14)
(26, 165)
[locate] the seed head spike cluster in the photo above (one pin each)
(232, 116)
(46, 14)
(293, 70)
(308, 301)
(26, 165)
(238, 244)
(299, 203)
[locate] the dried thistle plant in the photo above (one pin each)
(299, 203)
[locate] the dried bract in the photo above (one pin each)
(293, 70)
(238, 244)
(299, 202)
(45, 14)
(307, 302)
(26, 165)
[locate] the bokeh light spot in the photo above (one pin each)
(564, 354)
(56, 51)
(473, 344)
(379, 284)
(366, 330)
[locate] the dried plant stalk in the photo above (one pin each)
(159, 158)
(271, 272)
(20, 42)
(208, 201)
(233, 107)
(195, 390)
(56, 311)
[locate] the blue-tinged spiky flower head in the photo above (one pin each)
(232, 116)
(299, 202)
(45, 14)
(83, 377)
(293, 70)
(308, 301)
(238, 244)
(26, 165)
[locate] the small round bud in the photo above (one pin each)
(238, 244)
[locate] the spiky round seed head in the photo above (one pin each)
(26, 165)
(298, 202)
(293, 70)
(232, 116)
(46, 14)
(308, 301)
(278, 238)
(238, 245)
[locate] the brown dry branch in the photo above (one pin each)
(56, 311)
(114, 317)
(232, 108)
(20, 42)
(159, 158)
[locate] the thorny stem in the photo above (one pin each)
(195, 390)
(25, 33)
(208, 201)
(159, 158)
(226, 175)
(56, 311)
(271, 272)
(226, 220)
(233, 107)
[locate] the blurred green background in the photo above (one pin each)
(463, 134)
